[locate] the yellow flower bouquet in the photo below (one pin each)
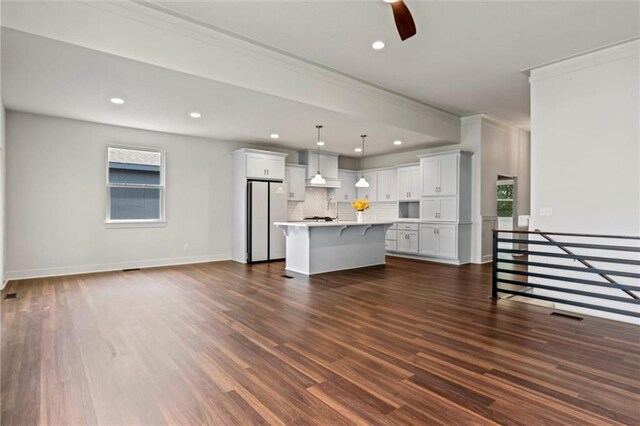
(360, 205)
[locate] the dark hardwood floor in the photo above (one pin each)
(224, 343)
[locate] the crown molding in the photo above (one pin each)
(587, 59)
(167, 19)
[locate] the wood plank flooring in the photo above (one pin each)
(225, 343)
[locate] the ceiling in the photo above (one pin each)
(466, 57)
(49, 77)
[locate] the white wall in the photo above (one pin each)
(56, 199)
(586, 153)
(585, 115)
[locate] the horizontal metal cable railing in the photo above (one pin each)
(593, 271)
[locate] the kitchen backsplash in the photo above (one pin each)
(315, 204)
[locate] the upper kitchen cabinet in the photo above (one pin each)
(295, 177)
(347, 190)
(264, 165)
(439, 174)
(409, 184)
(387, 186)
(370, 193)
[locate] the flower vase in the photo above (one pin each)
(360, 216)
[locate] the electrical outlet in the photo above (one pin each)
(546, 211)
(185, 247)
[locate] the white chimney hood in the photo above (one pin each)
(328, 167)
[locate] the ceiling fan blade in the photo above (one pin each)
(404, 20)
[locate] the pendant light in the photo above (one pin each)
(318, 179)
(362, 183)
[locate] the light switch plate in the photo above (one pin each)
(546, 211)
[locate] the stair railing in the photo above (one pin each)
(537, 273)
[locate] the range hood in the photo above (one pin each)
(328, 167)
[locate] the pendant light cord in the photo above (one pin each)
(363, 136)
(318, 145)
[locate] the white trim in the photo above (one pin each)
(106, 267)
(486, 258)
(119, 224)
(602, 55)
(427, 258)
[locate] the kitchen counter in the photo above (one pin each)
(318, 247)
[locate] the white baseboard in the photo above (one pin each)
(487, 258)
(106, 267)
(427, 258)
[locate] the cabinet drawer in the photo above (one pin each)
(408, 226)
(391, 245)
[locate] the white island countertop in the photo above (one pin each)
(310, 224)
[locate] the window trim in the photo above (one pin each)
(136, 223)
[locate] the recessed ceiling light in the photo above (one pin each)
(397, 142)
(390, 1)
(358, 150)
(195, 115)
(117, 101)
(320, 143)
(377, 45)
(274, 136)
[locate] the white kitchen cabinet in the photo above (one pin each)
(439, 175)
(407, 242)
(409, 184)
(439, 240)
(387, 186)
(439, 209)
(265, 166)
(347, 190)
(370, 193)
(295, 178)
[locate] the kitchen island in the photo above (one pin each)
(317, 247)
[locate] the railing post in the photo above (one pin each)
(494, 274)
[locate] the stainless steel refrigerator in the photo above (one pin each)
(266, 204)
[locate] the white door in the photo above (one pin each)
(277, 213)
(404, 184)
(448, 175)
(413, 242)
(387, 185)
(430, 170)
(295, 179)
(275, 167)
(428, 240)
(447, 241)
(430, 209)
(370, 192)
(416, 184)
(258, 221)
(256, 166)
(448, 210)
(347, 192)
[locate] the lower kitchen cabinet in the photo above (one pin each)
(439, 240)
(408, 242)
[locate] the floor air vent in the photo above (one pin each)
(11, 296)
(132, 269)
(573, 317)
(287, 277)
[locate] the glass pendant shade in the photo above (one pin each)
(319, 180)
(362, 183)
